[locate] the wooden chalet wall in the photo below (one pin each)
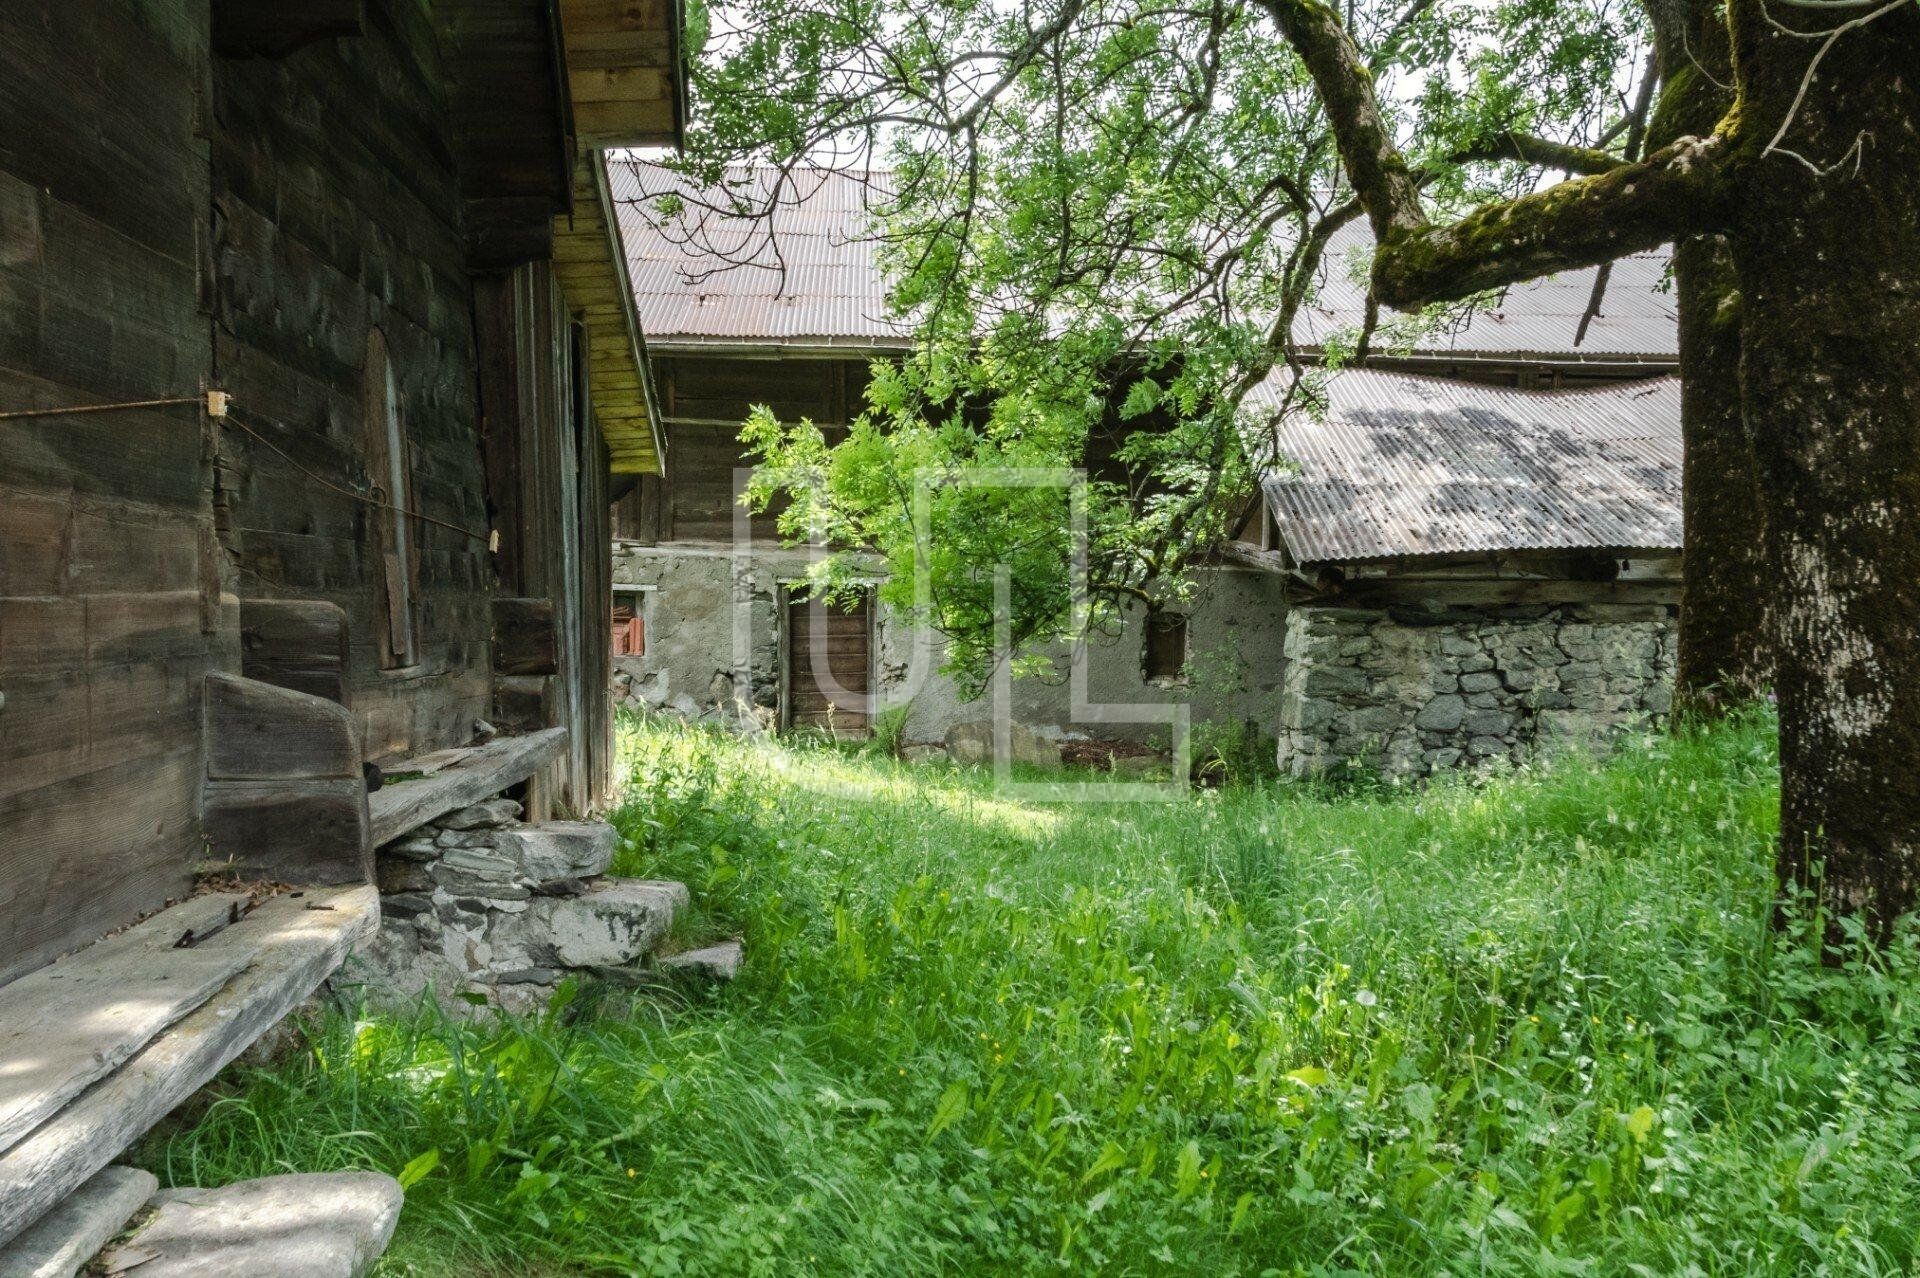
(193, 196)
(703, 400)
(547, 477)
(337, 210)
(108, 598)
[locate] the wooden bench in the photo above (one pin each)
(99, 1046)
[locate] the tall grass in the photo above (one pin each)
(1535, 1025)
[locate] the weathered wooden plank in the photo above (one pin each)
(61, 1242)
(523, 637)
(73, 1022)
(295, 643)
(256, 731)
(291, 830)
(289, 944)
(91, 852)
(402, 806)
(1386, 592)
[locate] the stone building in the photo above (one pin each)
(1477, 573)
(1471, 555)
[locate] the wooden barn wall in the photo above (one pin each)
(704, 400)
(547, 475)
(108, 613)
(337, 209)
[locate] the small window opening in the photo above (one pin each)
(630, 623)
(1165, 660)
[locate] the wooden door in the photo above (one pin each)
(829, 665)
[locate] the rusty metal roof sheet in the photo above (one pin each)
(1536, 321)
(806, 277)
(1406, 466)
(832, 290)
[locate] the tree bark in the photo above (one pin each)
(1814, 178)
(1826, 246)
(1725, 647)
(1725, 652)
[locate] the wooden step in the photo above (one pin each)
(71, 1023)
(282, 950)
(405, 805)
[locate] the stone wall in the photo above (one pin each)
(1414, 692)
(480, 903)
(713, 652)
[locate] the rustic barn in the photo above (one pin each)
(316, 352)
(789, 312)
(1463, 476)
(1474, 572)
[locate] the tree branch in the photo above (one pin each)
(1374, 164)
(1578, 223)
(1547, 154)
(1631, 208)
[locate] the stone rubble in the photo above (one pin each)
(479, 903)
(1413, 693)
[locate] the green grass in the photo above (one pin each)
(1532, 1026)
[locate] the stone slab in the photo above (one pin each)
(615, 922)
(717, 963)
(70, 1235)
(306, 1225)
(556, 850)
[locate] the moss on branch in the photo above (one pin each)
(1630, 208)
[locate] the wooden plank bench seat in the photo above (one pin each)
(106, 1042)
(406, 804)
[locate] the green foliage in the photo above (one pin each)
(1536, 1025)
(1101, 219)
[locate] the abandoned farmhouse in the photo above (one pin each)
(1472, 555)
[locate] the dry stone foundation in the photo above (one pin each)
(1415, 692)
(480, 903)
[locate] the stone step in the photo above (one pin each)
(717, 963)
(306, 1225)
(615, 921)
(67, 1237)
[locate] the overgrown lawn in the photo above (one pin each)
(1533, 1025)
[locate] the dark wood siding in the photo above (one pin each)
(547, 485)
(704, 401)
(337, 210)
(829, 663)
(107, 594)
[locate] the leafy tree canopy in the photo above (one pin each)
(1100, 214)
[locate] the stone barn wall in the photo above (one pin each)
(713, 648)
(1412, 692)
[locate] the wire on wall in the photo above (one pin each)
(220, 406)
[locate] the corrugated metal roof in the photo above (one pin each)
(809, 276)
(833, 290)
(1536, 320)
(1416, 466)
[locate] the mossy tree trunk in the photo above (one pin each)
(1726, 649)
(1826, 244)
(1725, 646)
(1813, 178)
